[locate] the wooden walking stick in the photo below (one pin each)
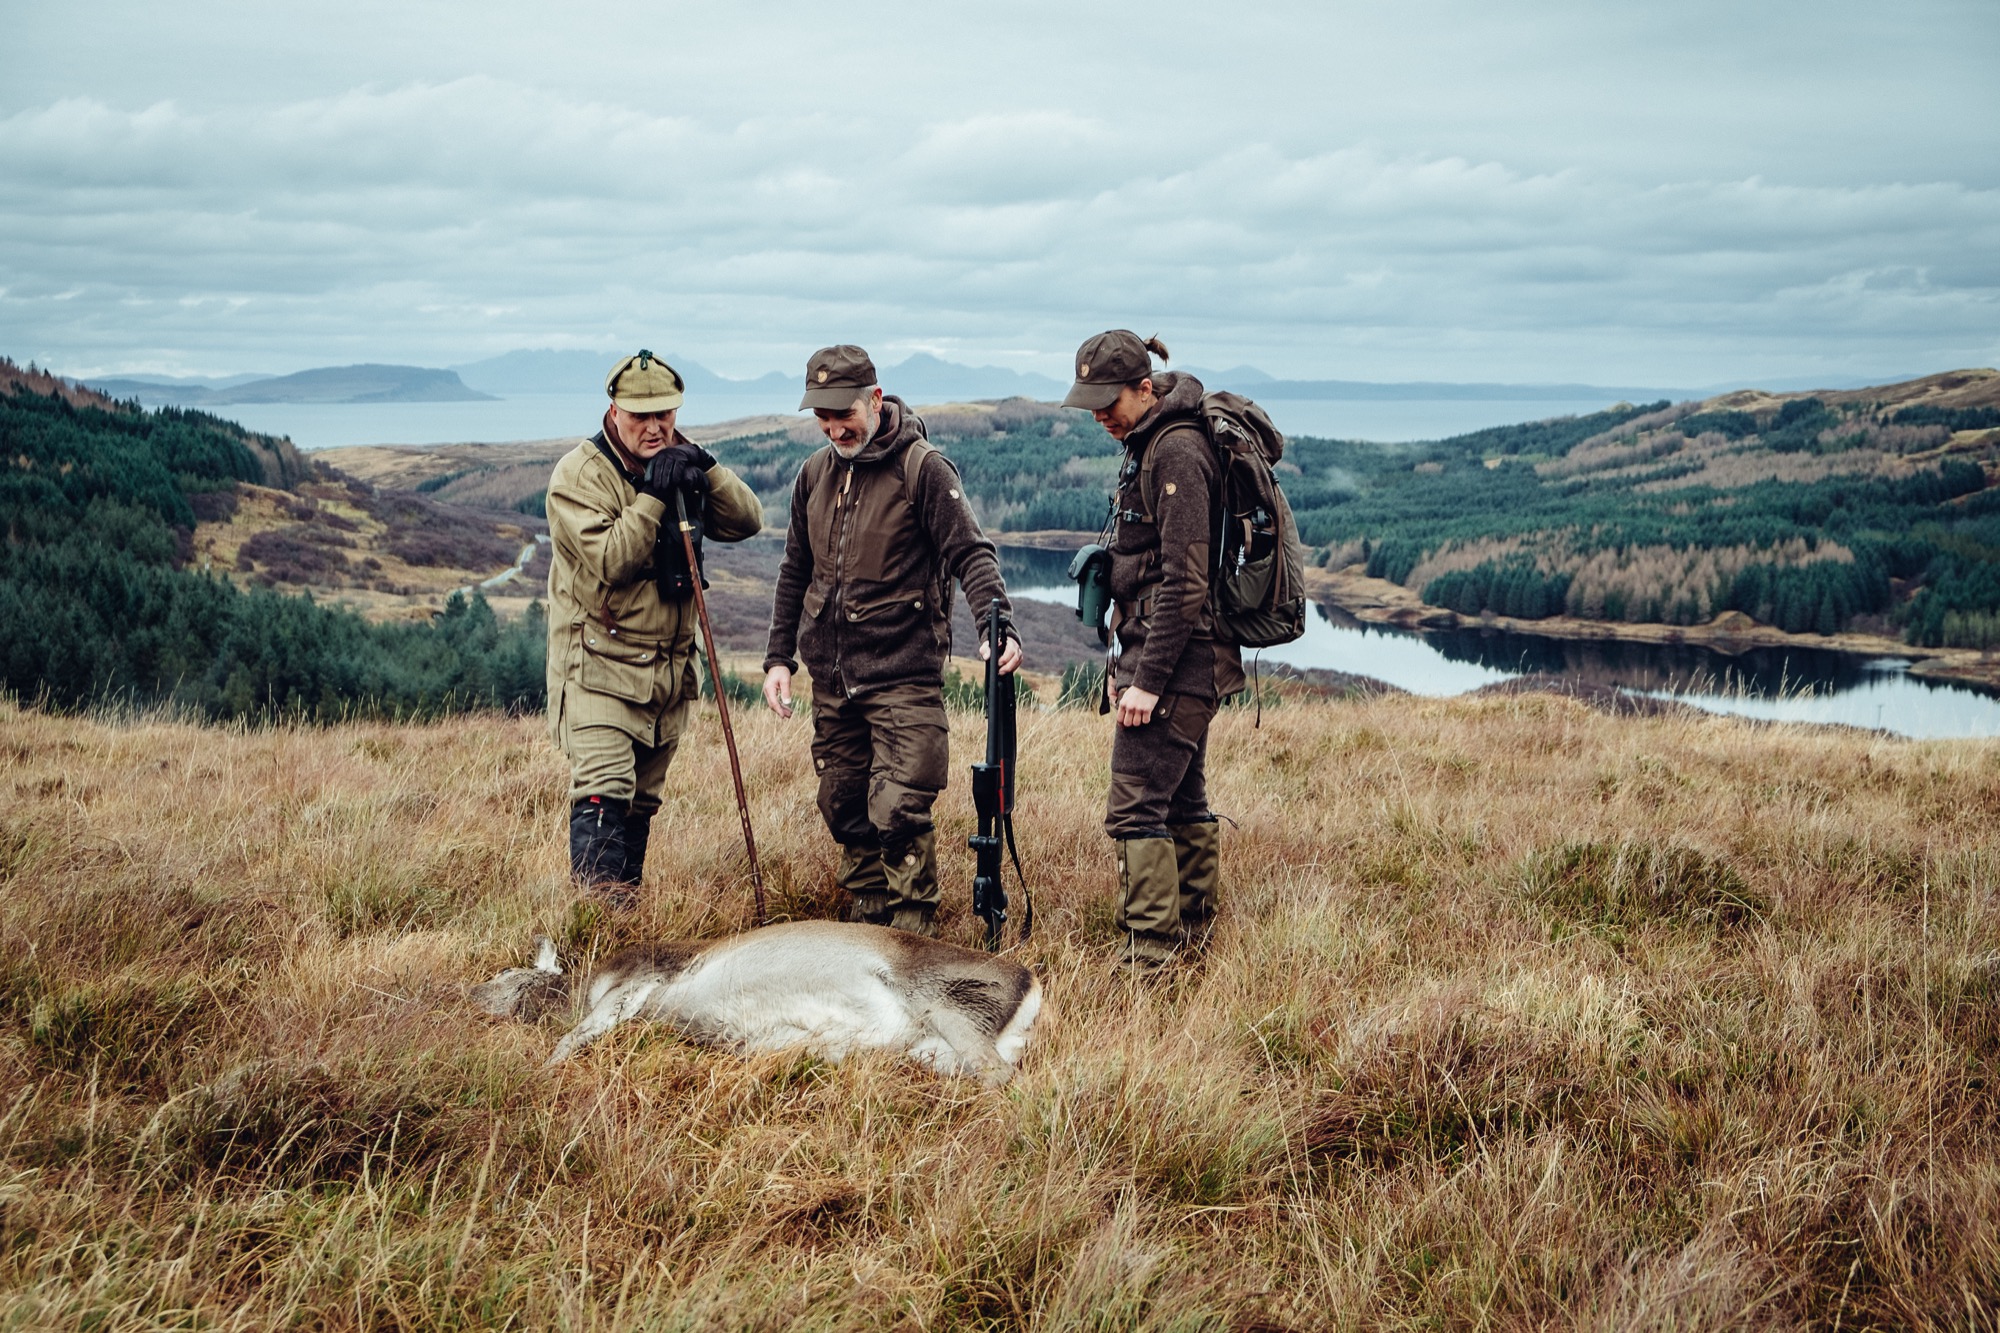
(721, 702)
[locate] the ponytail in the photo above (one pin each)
(1157, 348)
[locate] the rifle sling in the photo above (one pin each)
(1027, 898)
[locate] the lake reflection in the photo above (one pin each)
(1777, 684)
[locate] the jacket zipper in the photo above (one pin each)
(840, 509)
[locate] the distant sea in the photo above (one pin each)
(548, 416)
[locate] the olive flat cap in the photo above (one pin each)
(1104, 365)
(836, 376)
(644, 383)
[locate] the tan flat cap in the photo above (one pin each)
(644, 383)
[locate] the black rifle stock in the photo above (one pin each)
(993, 797)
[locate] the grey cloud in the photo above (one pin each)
(442, 220)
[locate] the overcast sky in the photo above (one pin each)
(1676, 193)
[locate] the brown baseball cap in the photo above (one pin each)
(836, 376)
(1104, 365)
(644, 383)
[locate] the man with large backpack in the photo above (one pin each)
(879, 528)
(1173, 668)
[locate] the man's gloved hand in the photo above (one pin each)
(683, 468)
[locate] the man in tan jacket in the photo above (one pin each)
(621, 612)
(880, 526)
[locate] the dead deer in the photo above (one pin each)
(828, 986)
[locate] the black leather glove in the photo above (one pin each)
(683, 468)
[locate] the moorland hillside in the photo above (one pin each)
(1520, 1015)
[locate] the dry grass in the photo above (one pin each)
(1522, 1016)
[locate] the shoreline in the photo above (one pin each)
(1391, 605)
(1380, 602)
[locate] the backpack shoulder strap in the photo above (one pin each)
(816, 467)
(1146, 494)
(915, 456)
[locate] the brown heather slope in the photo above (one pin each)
(1521, 1015)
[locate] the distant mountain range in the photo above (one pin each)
(583, 372)
(921, 378)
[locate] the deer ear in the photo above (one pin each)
(545, 956)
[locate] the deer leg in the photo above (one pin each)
(619, 1004)
(977, 1055)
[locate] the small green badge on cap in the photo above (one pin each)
(645, 383)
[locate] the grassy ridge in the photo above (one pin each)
(1520, 1015)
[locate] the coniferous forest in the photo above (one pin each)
(98, 603)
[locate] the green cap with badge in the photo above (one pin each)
(836, 376)
(1104, 365)
(644, 383)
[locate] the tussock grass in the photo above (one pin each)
(1520, 1015)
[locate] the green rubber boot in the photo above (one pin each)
(1198, 865)
(1148, 902)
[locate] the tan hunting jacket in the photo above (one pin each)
(619, 654)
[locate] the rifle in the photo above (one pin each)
(993, 798)
(721, 702)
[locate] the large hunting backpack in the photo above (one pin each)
(1256, 585)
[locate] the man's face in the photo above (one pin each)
(644, 433)
(850, 430)
(1132, 403)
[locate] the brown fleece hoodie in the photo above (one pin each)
(864, 592)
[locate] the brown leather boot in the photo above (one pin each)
(913, 885)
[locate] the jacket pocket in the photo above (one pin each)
(815, 602)
(614, 667)
(892, 609)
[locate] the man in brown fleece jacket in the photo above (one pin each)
(1172, 669)
(879, 528)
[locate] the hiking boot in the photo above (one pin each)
(921, 920)
(867, 887)
(911, 872)
(1143, 956)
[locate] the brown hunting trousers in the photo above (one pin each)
(1158, 770)
(882, 760)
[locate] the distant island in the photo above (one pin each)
(329, 384)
